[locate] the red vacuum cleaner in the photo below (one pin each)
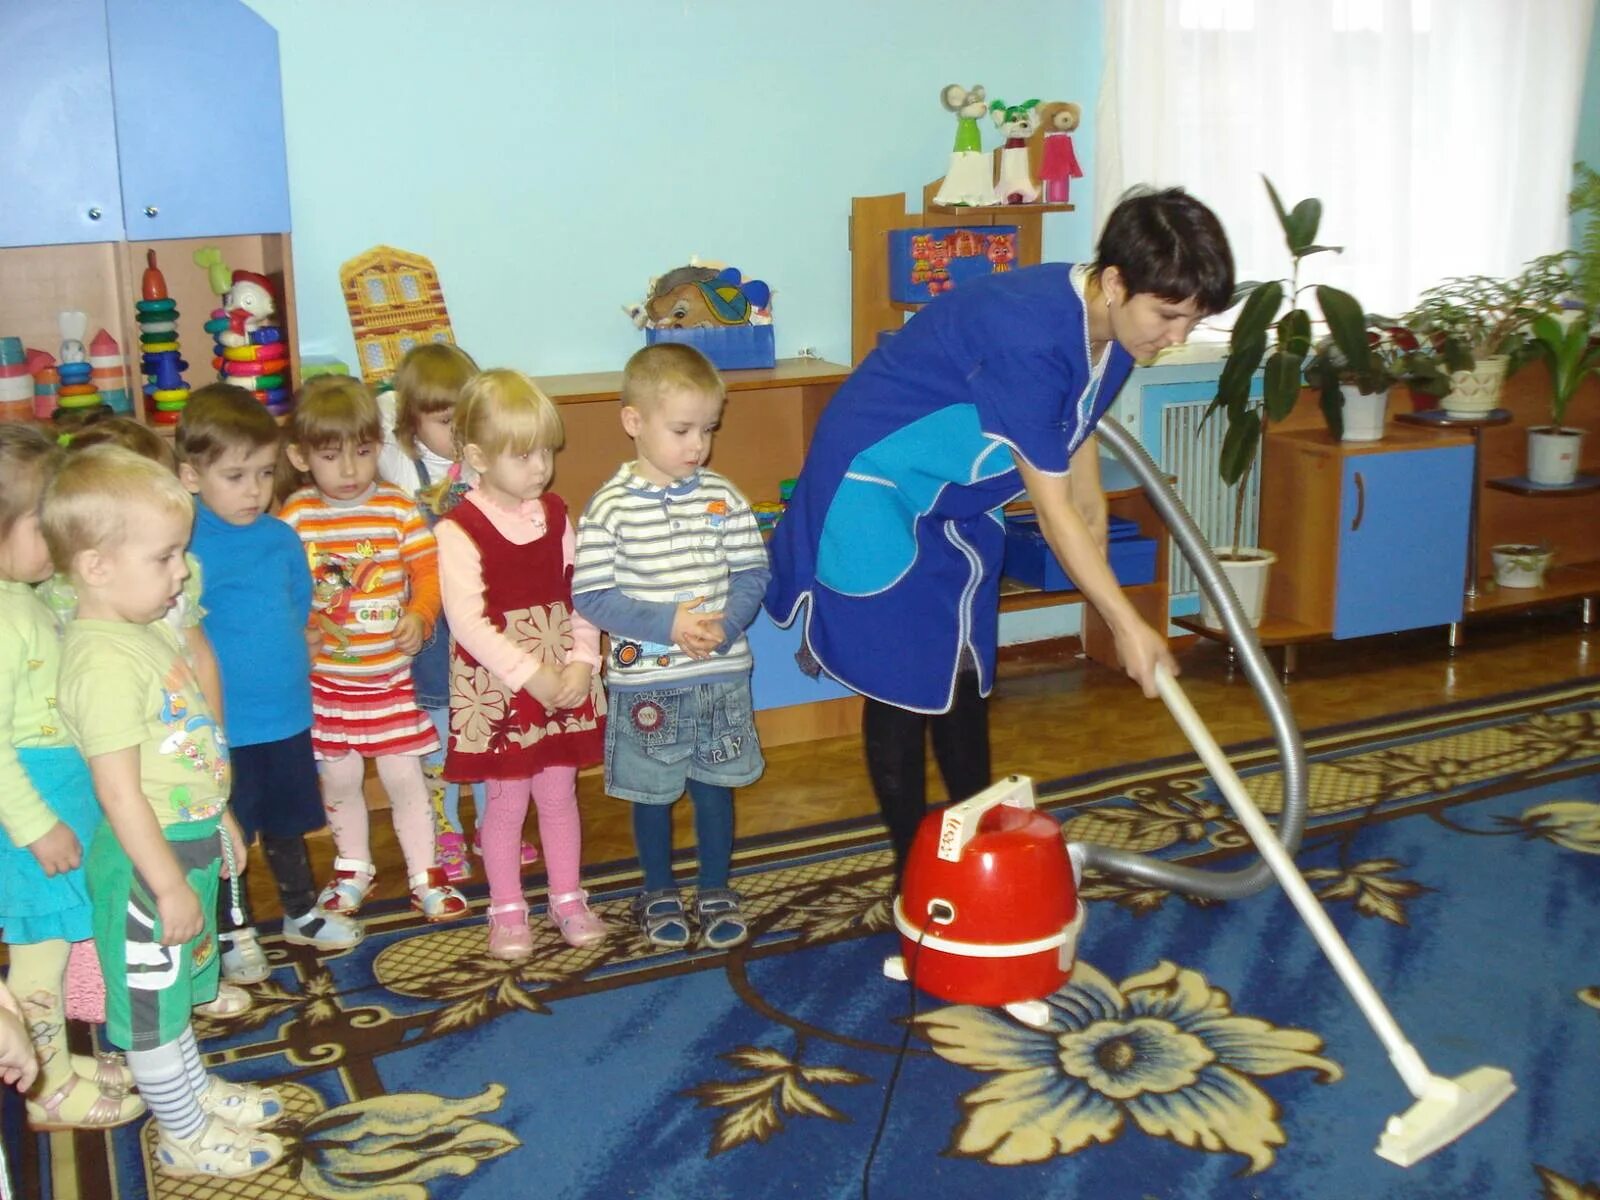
(988, 909)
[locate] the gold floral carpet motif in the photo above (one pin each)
(1199, 1049)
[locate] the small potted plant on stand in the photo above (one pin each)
(1278, 341)
(1491, 318)
(1553, 449)
(1520, 566)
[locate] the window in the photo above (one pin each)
(1439, 136)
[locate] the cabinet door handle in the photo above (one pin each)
(1361, 502)
(95, 214)
(151, 210)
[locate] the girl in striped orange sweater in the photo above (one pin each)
(375, 581)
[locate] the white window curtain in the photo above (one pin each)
(1438, 134)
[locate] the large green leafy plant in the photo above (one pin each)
(1572, 357)
(1278, 341)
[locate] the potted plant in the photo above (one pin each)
(1553, 449)
(1520, 566)
(1491, 319)
(1277, 340)
(1396, 356)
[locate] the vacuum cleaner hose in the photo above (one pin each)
(1199, 881)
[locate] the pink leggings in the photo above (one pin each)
(554, 792)
(346, 805)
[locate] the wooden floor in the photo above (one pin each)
(1058, 715)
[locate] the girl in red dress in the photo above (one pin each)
(526, 705)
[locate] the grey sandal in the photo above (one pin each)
(722, 924)
(661, 918)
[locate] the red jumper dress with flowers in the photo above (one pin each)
(497, 732)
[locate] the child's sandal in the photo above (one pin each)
(104, 1112)
(242, 1105)
(510, 939)
(218, 1150)
(107, 1070)
(347, 890)
(569, 912)
(662, 919)
(434, 898)
(230, 1001)
(722, 925)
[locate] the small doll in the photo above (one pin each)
(969, 180)
(1059, 164)
(1017, 122)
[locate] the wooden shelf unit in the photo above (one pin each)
(1566, 519)
(102, 279)
(1150, 600)
(871, 219)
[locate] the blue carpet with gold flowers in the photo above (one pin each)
(1200, 1050)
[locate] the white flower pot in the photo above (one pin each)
(1364, 415)
(1248, 575)
(1553, 454)
(1476, 392)
(1520, 566)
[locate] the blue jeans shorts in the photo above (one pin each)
(658, 739)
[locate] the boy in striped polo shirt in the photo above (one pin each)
(670, 563)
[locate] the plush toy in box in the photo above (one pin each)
(716, 309)
(926, 262)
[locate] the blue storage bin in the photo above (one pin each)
(729, 347)
(1029, 560)
(925, 262)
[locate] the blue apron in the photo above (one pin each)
(893, 539)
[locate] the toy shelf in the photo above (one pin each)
(102, 279)
(872, 312)
(1008, 209)
(1148, 599)
(1577, 581)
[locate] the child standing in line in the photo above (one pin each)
(419, 456)
(47, 810)
(256, 597)
(375, 597)
(238, 965)
(671, 564)
(526, 706)
(130, 699)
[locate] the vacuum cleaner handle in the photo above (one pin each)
(1155, 872)
(958, 824)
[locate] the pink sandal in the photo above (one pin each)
(569, 911)
(510, 939)
(105, 1112)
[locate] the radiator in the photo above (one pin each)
(1189, 452)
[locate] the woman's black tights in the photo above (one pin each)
(896, 744)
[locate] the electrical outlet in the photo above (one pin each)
(807, 352)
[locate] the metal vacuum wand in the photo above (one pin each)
(1444, 1108)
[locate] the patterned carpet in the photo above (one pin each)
(1200, 1050)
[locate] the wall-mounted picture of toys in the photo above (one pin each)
(923, 263)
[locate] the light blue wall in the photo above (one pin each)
(551, 157)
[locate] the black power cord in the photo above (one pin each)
(936, 910)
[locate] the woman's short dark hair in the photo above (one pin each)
(1170, 245)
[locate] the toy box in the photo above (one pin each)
(926, 262)
(730, 347)
(1029, 559)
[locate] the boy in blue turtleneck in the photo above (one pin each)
(256, 600)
